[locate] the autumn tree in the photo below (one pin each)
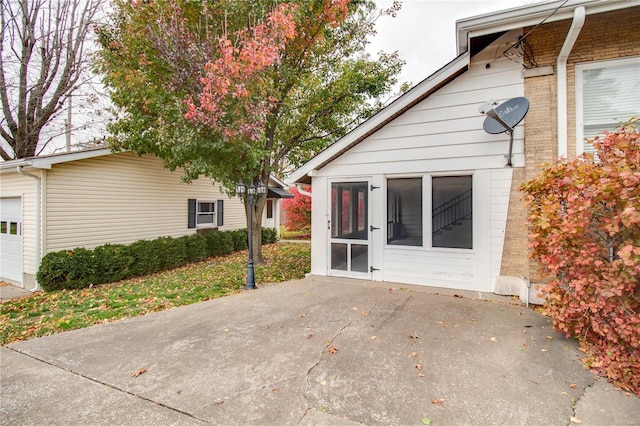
(298, 210)
(585, 228)
(237, 90)
(43, 61)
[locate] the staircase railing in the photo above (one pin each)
(451, 212)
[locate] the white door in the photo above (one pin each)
(11, 239)
(349, 241)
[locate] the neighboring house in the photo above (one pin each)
(93, 197)
(420, 194)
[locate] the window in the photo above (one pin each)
(205, 213)
(607, 94)
(269, 209)
(404, 211)
(451, 214)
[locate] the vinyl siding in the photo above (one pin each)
(16, 185)
(122, 198)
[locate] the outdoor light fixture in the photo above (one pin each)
(250, 193)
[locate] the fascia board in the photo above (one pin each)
(396, 108)
(530, 15)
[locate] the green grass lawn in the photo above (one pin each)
(47, 313)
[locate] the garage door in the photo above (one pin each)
(11, 239)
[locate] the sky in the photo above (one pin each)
(424, 31)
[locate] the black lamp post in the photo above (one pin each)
(250, 193)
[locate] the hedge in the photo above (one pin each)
(81, 268)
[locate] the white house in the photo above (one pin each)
(421, 194)
(93, 197)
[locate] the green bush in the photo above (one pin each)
(80, 267)
(219, 243)
(269, 235)
(240, 239)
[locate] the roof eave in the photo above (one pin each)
(529, 15)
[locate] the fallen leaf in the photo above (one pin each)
(549, 338)
(421, 375)
(573, 385)
(438, 401)
(457, 295)
(374, 337)
(332, 349)
(426, 421)
(218, 403)
(493, 339)
(275, 389)
(303, 315)
(364, 314)
(418, 366)
(575, 420)
(413, 336)
(391, 289)
(414, 354)
(543, 350)
(139, 372)
(354, 308)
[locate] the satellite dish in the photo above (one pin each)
(504, 118)
(510, 113)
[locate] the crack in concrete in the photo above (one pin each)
(124, 391)
(575, 403)
(321, 357)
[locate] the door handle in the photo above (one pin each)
(372, 228)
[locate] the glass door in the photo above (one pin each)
(349, 227)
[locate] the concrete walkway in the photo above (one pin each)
(317, 351)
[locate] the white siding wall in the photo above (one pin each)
(441, 135)
(16, 185)
(121, 198)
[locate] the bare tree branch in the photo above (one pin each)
(43, 61)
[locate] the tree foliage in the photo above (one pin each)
(233, 89)
(297, 210)
(43, 61)
(585, 228)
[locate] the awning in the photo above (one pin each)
(278, 193)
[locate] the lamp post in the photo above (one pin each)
(250, 193)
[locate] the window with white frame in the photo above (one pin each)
(607, 94)
(206, 214)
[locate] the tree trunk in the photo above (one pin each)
(258, 208)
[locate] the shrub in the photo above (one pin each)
(269, 235)
(585, 228)
(240, 239)
(219, 243)
(297, 210)
(80, 267)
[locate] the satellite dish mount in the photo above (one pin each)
(504, 118)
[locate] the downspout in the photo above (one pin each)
(561, 67)
(302, 191)
(37, 221)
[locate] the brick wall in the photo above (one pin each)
(603, 36)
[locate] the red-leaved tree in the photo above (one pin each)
(298, 210)
(585, 228)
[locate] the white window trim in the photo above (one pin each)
(214, 223)
(579, 93)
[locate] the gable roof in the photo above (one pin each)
(473, 35)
